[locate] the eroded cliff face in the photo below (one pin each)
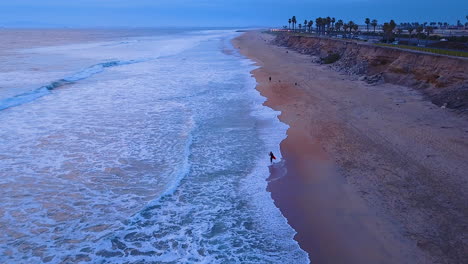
(443, 79)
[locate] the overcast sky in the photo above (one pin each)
(222, 13)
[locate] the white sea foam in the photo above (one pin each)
(272, 132)
(161, 160)
(34, 94)
(132, 49)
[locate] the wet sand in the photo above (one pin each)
(375, 174)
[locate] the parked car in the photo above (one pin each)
(339, 36)
(443, 39)
(395, 42)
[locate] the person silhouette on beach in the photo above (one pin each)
(272, 157)
(270, 78)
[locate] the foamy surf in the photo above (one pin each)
(45, 90)
(160, 161)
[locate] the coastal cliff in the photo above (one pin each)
(442, 79)
(372, 167)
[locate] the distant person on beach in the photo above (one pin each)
(270, 78)
(272, 157)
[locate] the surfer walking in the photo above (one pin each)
(272, 157)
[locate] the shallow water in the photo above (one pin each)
(158, 156)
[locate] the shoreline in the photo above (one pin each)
(332, 195)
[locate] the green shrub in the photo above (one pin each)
(331, 58)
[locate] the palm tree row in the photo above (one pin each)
(441, 25)
(293, 21)
(372, 23)
(389, 29)
(323, 25)
(328, 25)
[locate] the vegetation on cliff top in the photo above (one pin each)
(433, 37)
(388, 30)
(430, 50)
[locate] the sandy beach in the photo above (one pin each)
(375, 173)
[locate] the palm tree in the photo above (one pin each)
(294, 21)
(392, 24)
(388, 30)
(355, 27)
(429, 30)
(300, 27)
(305, 24)
(333, 22)
(367, 23)
(345, 27)
(328, 22)
(419, 29)
(323, 24)
(289, 21)
(410, 31)
(310, 25)
(351, 25)
(318, 24)
(374, 23)
(339, 24)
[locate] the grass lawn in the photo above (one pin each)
(431, 50)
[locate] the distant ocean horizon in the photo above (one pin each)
(172, 29)
(136, 146)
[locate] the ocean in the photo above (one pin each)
(138, 149)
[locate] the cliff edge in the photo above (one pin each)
(442, 79)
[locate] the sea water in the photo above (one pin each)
(148, 150)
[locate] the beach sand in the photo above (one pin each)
(375, 174)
